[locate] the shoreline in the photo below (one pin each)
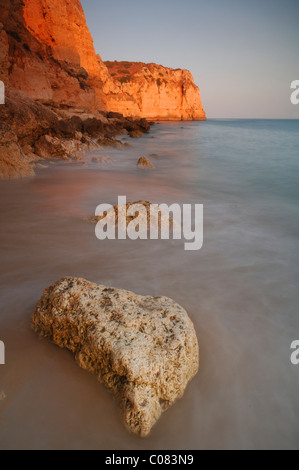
(31, 133)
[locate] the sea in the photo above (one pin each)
(241, 289)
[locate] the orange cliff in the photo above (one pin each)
(47, 51)
(152, 91)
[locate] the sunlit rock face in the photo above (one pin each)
(152, 91)
(47, 52)
(61, 25)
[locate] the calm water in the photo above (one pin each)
(240, 289)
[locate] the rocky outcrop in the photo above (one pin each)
(105, 159)
(58, 88)
(145, 214)
(144, 163)
(47, 52)
(36, 131)
(28, 119)
(13, 163)
(144, 349)
(22, 122)
(61, 26)
(152, 91)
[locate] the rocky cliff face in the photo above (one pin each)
(61, 26)
(152, 91)
(47, 52)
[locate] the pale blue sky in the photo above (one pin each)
(243, 54)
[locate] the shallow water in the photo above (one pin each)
(240, 289)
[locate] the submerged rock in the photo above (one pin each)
(104, 159)
(144, 349)
(144, 164)
(148, 215)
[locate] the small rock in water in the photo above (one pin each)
(148, 215)
(145, 164)
(2, 395)
(104, 159)
(144, 349)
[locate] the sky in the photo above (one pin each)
(243, 54)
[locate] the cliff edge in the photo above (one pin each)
(59, 93)
(152, 91)
(47, 52)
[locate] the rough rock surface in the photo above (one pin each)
(144, 163)
(144, 349)
(28, 119)
(36, 131)
(47, 51)
(152, 91)
(105, 159)
(145, 212)
(135, 134)
(57, 86)
(13, 163)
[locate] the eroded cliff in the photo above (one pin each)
(47, 52)
(152, 91)
(48, 64)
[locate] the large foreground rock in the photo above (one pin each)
(144, 349)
